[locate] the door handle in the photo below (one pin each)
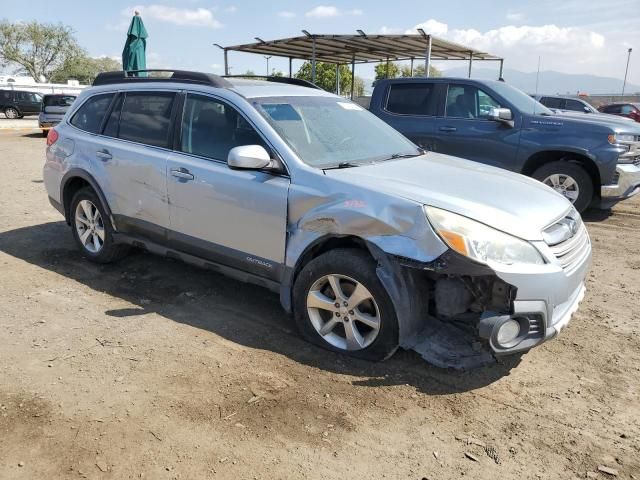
(104, 155)
(182, 173)
(447, 129)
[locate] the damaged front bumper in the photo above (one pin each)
(536, 301)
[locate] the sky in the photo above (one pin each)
(570, 36)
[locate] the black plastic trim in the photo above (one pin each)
(177, 76)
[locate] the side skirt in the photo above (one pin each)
(231, 272)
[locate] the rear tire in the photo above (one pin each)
(570, 180)
(11, 113)
(364, 323)
(92, 230)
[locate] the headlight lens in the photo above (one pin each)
(621, 137)
(480, 242)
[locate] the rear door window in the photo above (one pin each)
(146, 118)
(612, 109)
(90, 115)
(574, 106)
(412, 99)
(551, 102)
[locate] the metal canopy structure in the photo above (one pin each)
(362, 48)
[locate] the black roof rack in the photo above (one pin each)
(269, 78)
(181, 76)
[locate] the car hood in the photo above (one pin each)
(504, 200)
(603, 119)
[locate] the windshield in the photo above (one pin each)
(328, 131)
(520, 100)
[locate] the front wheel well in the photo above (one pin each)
(539, 159)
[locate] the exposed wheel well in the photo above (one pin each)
(71, 187)
(325, 244)
(538, 159)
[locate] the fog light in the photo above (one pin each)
(508, 332)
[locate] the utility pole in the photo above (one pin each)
(624, 84)
(267, 58)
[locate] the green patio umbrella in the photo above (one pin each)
(134, 53)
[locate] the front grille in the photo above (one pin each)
(572, 251)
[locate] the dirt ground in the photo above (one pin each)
(153, 369)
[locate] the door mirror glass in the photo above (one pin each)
(248, 157)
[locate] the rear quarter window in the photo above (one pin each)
(90, 115)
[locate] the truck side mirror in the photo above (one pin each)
(502, 115)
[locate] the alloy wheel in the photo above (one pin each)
(89, 226)
(343, 312)
(564, 185)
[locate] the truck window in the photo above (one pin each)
(574, 105)
(465, 101)
(551, 102)
(412, 99)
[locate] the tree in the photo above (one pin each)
(358, 87)
(326, 76)
(276, 73)
(381, 70)
(83, 68)
(418, 71)
(38, 48)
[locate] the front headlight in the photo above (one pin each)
(621, 137)
(480, 242)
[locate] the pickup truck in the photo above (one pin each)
(591, 161)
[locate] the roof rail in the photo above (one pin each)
(269, 78)
(181, 76)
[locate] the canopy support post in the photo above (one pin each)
(470, 63)
(427, 57)
(353, 74)
(337, 79)
(313, 60)
(226, 63)
(501, 66)
(411, 68)
(387, 75)
(290, 61)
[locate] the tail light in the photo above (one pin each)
(52, 137)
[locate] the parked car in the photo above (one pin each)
(588, 159)
(565, 103)
(54, 106)
(628, 110)
(367, 239)
(18, 103)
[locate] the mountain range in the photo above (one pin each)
(549, 81)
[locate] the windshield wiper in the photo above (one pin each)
(404, 155)
(343, 165)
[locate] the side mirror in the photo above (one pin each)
(587, 110)
(248, 157)
(503, 115)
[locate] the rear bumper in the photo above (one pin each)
(628, 185)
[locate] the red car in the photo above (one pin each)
(629, 110)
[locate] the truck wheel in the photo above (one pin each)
(341, 305)
(568, 179)
(92, 230)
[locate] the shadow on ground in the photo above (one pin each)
(242, 313)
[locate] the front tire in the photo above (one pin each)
(570, 180)
(92, 229)
(341, 305)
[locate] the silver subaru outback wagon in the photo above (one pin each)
(371, 243)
